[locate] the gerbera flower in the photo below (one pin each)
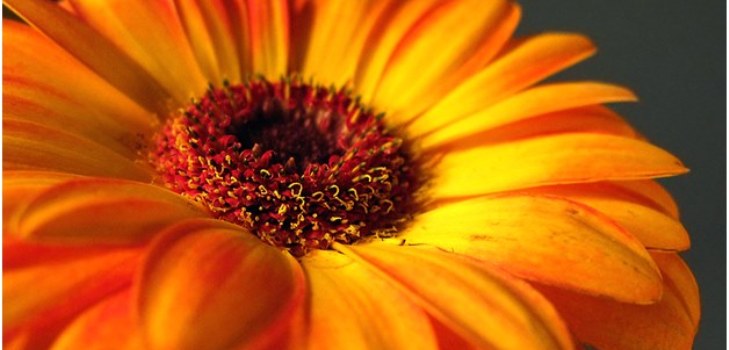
(325, 174)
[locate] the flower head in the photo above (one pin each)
(326, 174)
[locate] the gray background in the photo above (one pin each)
(672, 53)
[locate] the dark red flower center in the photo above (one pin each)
(300, 166)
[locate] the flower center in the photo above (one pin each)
(300, 166)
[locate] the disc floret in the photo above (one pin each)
(299, 165)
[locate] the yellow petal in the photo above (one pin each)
(432, 57)
(212, 28)
(153, 35)
(210, 285)
(530, 103)
(338, 33)
(528, 62)
(654, 228)
(35, 89)
(590, 119)
(678, 276)
(269, 30)
(32, 146)
(92, 49)
(488, 308)
(671, 323)
(63, 116)
(652, 191)
(550, 240)
(203, 47)
(385, 40)
(345, 313)
(44, 294)
(112, 321)
(103, 211)
(19, 189)
(551, 159)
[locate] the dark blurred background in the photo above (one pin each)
(672, 53)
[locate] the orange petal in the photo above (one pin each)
(43, 294)
(19, 253)
(30, 338)
(269, 30)
(346, 314)
(112, 321)
(199, 37)
(72, 98)
(448, 339)
(499, 33)
(19, 188)
(428, 61)
(98, 211)
(89, 47)
(550, 240)
(39, 108)
(31, 146)
(488, 308)
(678, 276)
(301, 16)
(654, 228)
(212, 30)
(590, 119)
(152, 34)
(533, 102)
(213, 285)
(547, 160)
(384, 39)
(653, 192)
(339, 30)
(528, 62)
(671, 323)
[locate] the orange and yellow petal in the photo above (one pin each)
(236, 290)
(383, 40)
(111, 321)
(547, 239)
(95, 51)
(269, 33)
(218, 35)
(592, 119)
(345, 313)
(523, 64)
(671, 323)
(486, 307)
(548, 160)
(537, 101)
(152, 34)
(430, 57)
(95, 211)
(645, 220)
(19, 188)
(62, 151)
(339, 31)
(74, 98)
(47, 293)
(651, 191)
